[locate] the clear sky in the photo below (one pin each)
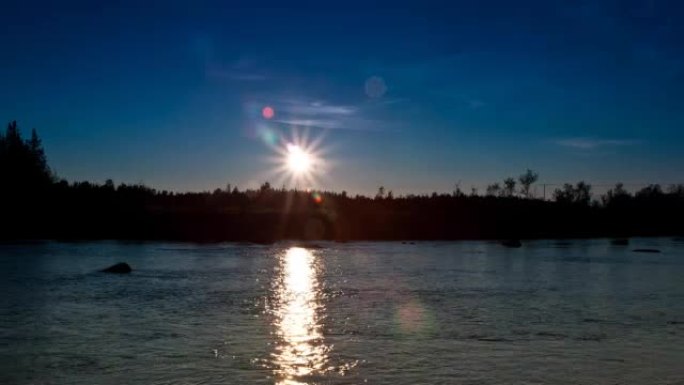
(415, 96)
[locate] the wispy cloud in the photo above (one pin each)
(353, 124)
(317, 114)
(388, 101)
(319, 123)
(583, 143)
(242, 69)
(318, 109)
(236, 75)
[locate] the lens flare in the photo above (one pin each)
(268, 112)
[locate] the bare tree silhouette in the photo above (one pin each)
(509, 187)
(526, 180)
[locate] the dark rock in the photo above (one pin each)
(646, 251)
(119, 268)
(514, 243)
(620, 242)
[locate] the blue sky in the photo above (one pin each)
(416, 96)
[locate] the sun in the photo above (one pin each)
(298, 160)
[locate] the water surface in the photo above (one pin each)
(571, 312)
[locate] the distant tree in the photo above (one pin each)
(473, 191)
(23, 166)
(265, 187)
(615, 196)
(12, 135)
(652, 191)
(36, 149)
(583, 193)
(676, 189)
(493, 190)
(565, 194)
(381, 193)
(457, 190)
(579, 194)
(526, 180)
(509, 187)
(390, 195)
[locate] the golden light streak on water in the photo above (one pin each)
(301, 351)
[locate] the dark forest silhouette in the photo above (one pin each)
(35, 204)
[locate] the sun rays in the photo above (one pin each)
(299, 162)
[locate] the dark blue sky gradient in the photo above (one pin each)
(168, 93)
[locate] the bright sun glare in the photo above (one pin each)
(298, 160)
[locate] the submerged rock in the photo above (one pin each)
(119, 268)
(646, 251)
(515, 243)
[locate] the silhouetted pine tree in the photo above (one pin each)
(23, 166)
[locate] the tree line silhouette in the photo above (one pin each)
(36, 204)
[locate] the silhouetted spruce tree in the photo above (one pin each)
(23, 167)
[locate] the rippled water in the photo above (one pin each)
(578, 312)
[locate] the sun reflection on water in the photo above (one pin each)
(301, 351)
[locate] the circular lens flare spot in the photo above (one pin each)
(267, 112)
(298, 160)
(318, 198)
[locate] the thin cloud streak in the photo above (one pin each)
(318, 109)
(243, 69)
(593, 143)
(355, 124)
(320, 123)
(324, 115)
(317, 114)
(235, 75)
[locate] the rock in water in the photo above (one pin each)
(119, 268)
(646, 251)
